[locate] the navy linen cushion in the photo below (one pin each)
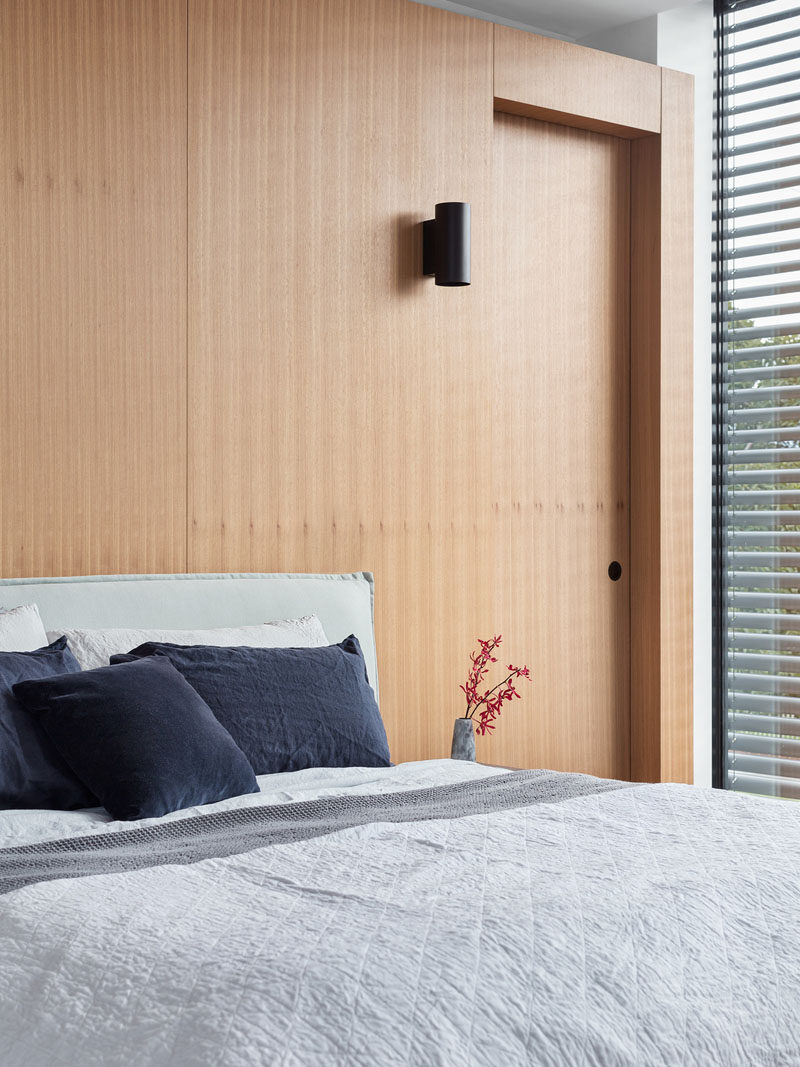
(140, 737)
(32, 772)
(287, 708)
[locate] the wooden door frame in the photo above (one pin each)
(551, 80)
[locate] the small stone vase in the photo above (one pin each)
(463, 740)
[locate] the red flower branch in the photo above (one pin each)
(489, 702)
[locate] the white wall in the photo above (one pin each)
(637, 40)
(684, 40)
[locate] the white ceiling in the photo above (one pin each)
(563, 18)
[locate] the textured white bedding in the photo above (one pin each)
(655, 925)
(21, 827)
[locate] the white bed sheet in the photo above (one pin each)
(650, 926)
(24, 827)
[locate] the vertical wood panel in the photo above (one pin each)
(646, 414)
(677, 377)
(347, 414)
(336, 401)
(662, 377)
(92, 286)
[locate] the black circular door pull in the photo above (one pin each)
(614, 571)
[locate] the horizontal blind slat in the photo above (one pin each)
(752, 620)
(749, 398)
(762, 83)
(753, 333)
(760, 105)
(787, 433)
(740, 457)
(757, 230)
(753, 580)
(791, 244)
(736, 271)
(764, 785)
(739, 560)
(776, 725)
(763, 311)
(762, 661)
(740, 170)
(749, 600)
(777, 643)
(745, 292)
(759, 476)
(746, 211)
(744, 129)
(756, 538)
(770, 684)
(733, 49)
(787, 181)
(771, 353)
(746, 762)
(733, 69)
(761, 20)
(755, 414)
(787, 708)
(739, 497)
(736, 7)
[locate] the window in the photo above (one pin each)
(757, 398)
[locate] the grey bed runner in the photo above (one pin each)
(228, 833)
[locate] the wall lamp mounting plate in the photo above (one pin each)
(445, 244)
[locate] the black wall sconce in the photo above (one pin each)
(445, 244)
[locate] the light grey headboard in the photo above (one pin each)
(343, 602)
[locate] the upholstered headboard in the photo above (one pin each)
(343, 602)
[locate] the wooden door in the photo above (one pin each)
(560, 276)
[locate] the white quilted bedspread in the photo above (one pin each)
(656, 925)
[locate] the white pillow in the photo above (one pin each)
(93, 648)
(21, 629)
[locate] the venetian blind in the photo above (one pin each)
(757, 426)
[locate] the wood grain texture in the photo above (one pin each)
(92, 286)
(677, 376)
(560, 440)
(348, 414)
(573, 85)
(646, 414)
(280, 365)
(336, 421)
(661, 442)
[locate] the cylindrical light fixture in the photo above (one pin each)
(445, 244)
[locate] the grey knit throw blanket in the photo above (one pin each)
(228, 833)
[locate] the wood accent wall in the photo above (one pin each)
(92, 286)
(219, 353)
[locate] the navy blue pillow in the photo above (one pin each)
(286, 708)
(140, 737)
(32, 773)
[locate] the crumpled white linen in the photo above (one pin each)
(654, 925)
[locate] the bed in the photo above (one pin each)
(431, 913)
